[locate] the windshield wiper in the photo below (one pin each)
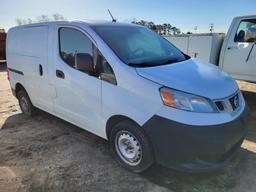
(144, 64)
(169, 61)
(153, 63)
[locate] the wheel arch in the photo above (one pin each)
(19, 87)
(113, 120)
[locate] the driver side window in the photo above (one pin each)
(78, 51)
(246, 31)
(72, 43)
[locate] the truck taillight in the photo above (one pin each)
(8, 73)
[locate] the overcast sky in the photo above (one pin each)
(183, 14)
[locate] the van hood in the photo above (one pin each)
(192, 76)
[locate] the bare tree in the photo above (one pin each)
(58, 17)
(211, 26)
(19, 21)
(41, 18)
(29, 21)
(163, 29)
(169, 27)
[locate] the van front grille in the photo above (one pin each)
(219, 105)
(229, 104)
(234, 101)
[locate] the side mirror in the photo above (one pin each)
(84, 62)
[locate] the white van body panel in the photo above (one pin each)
(92, 111)
(90, 102)
(73, 74)
(134, 96)
(35, 38)
(78, 94)
(196, 79)
(92, 115)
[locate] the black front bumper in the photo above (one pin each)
(195, 148)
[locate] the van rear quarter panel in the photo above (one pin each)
(27, 47)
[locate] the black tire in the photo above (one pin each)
(25, 104)
(145, 158)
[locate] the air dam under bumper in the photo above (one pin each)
(195, 148)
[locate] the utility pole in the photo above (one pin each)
(211, 27)
(195, 28)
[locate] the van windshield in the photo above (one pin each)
(138, 46)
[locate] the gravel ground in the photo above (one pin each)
(45, 153)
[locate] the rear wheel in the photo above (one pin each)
(25, 104)
(131, 147)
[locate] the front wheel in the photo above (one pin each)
(131, 147)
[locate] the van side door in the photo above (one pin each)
(239, 58)
(28, 53)
(78, 93)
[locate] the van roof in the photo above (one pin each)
(245, 17)
(108, 23)
(91, 23)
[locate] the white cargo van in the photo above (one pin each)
(129, 85)
(236, 55)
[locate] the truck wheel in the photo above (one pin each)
(25, 104)
(131, 147)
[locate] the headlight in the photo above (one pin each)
(185, 101)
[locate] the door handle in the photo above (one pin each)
(60, 74)
(232, 47)
(40, 70)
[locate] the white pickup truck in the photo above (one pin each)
(236, 54)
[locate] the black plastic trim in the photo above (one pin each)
(16, 71)
(195, 148)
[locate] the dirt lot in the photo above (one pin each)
(45, 153)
